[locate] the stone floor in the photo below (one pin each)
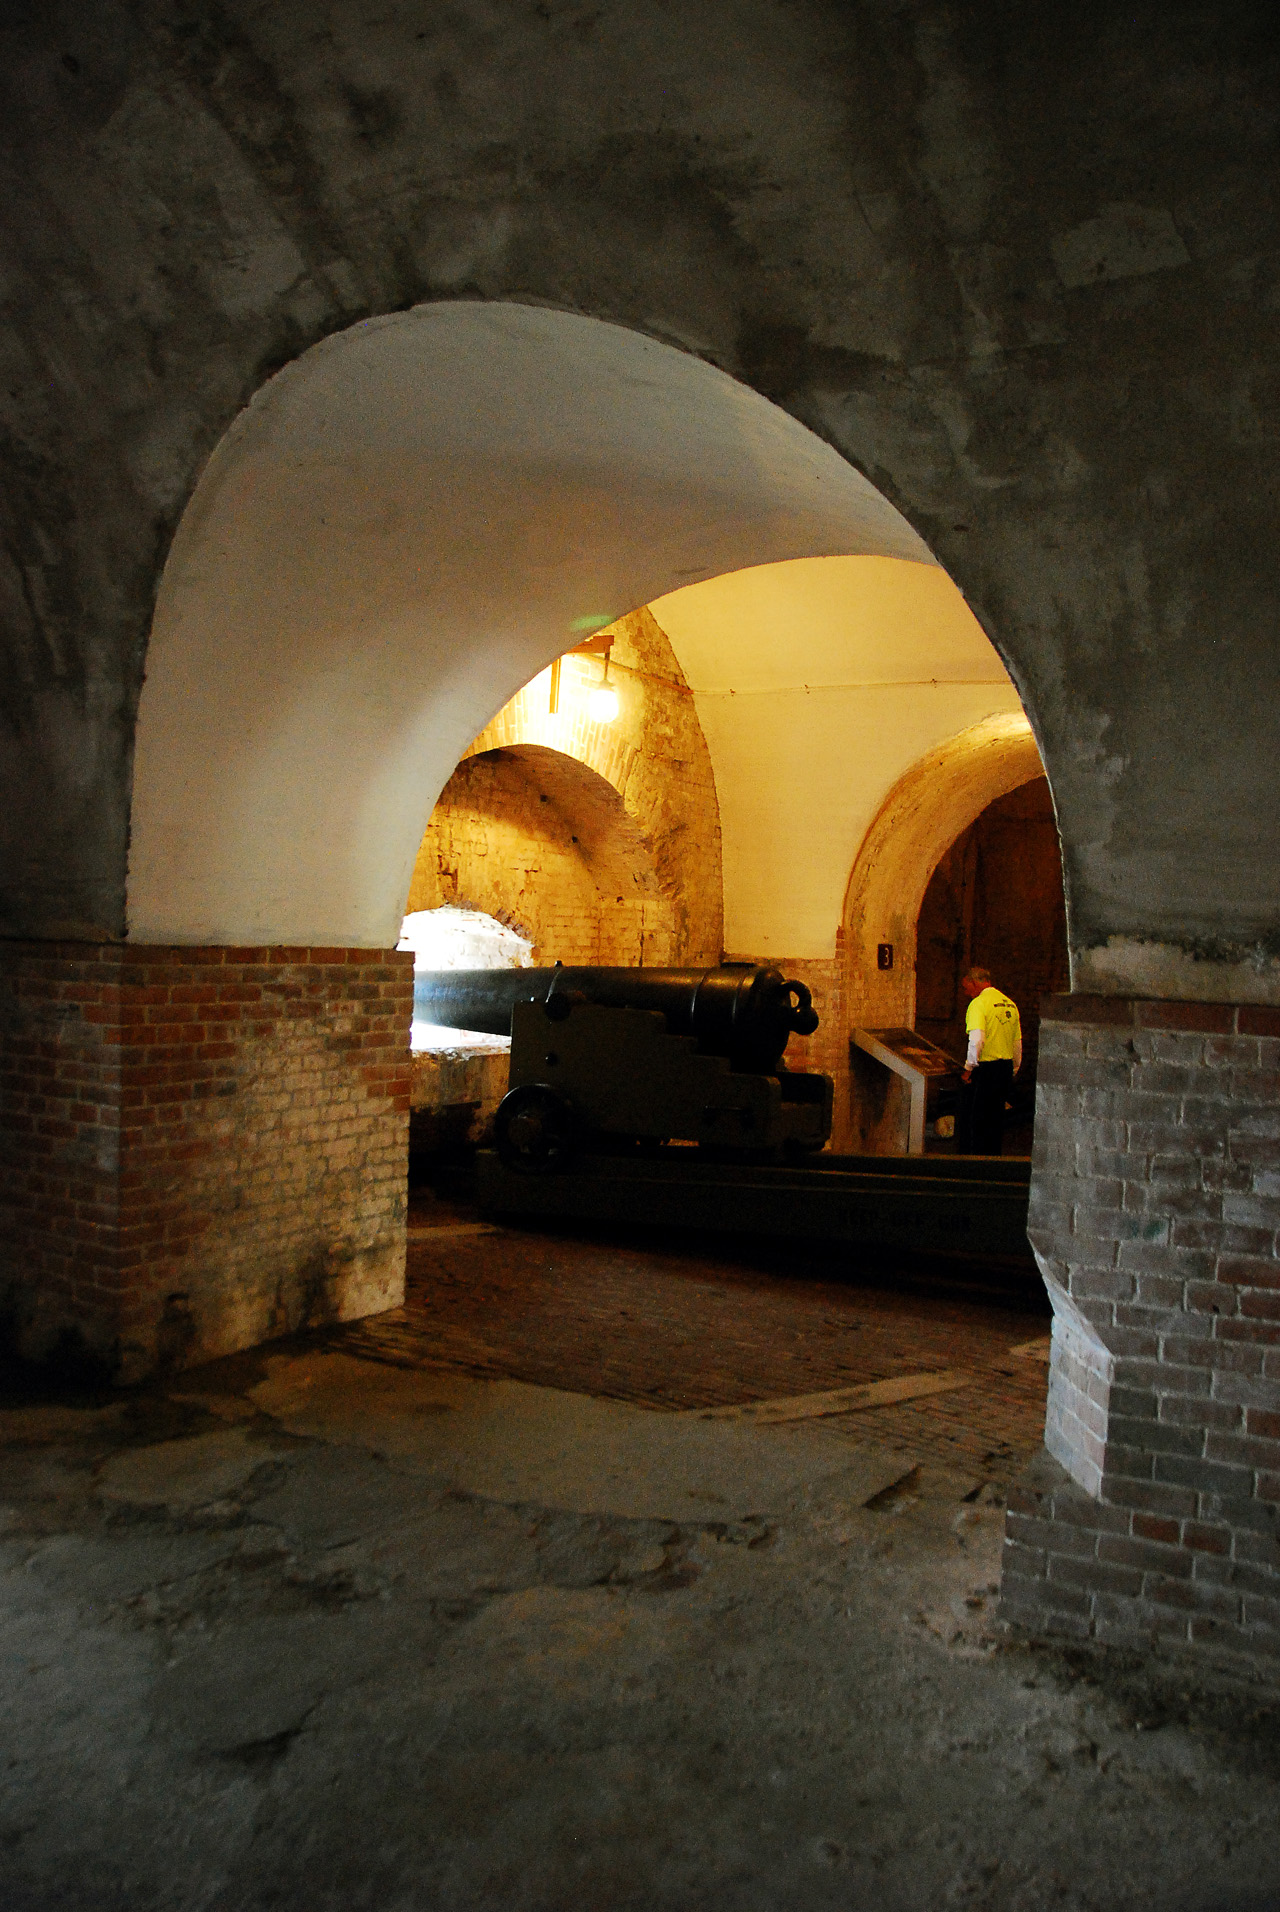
(475, 1607)
(666, 1325)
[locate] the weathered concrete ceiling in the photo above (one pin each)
(1017, 263)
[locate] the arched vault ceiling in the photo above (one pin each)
(403, 527)
(819, 682)
(1018, 265)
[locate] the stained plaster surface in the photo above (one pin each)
(317, 1632)
(1018, 267)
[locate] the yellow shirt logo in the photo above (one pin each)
(998, 1019)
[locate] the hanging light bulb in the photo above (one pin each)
(602, 703)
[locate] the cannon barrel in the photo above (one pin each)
(744, 1013)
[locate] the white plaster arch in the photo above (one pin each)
(924, 813)
(402, 528)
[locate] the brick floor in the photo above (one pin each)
(677, 1326)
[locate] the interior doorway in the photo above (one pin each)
(996, 899)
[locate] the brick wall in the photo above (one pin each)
(655, 757)
(826, 1051)
(454, 1096)
(543, 844)
(61, 1095)
(199, 1148)
(1155, 1208)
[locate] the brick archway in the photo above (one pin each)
(924, 813)
(654, 756)
(538, 840)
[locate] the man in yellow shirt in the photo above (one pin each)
(994, 1058)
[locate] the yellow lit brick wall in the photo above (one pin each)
(544, 844)
(601, 843)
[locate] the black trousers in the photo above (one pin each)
(980, 1120)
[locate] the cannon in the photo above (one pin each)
(606, 1057)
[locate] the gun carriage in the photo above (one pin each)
(600, 1056)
